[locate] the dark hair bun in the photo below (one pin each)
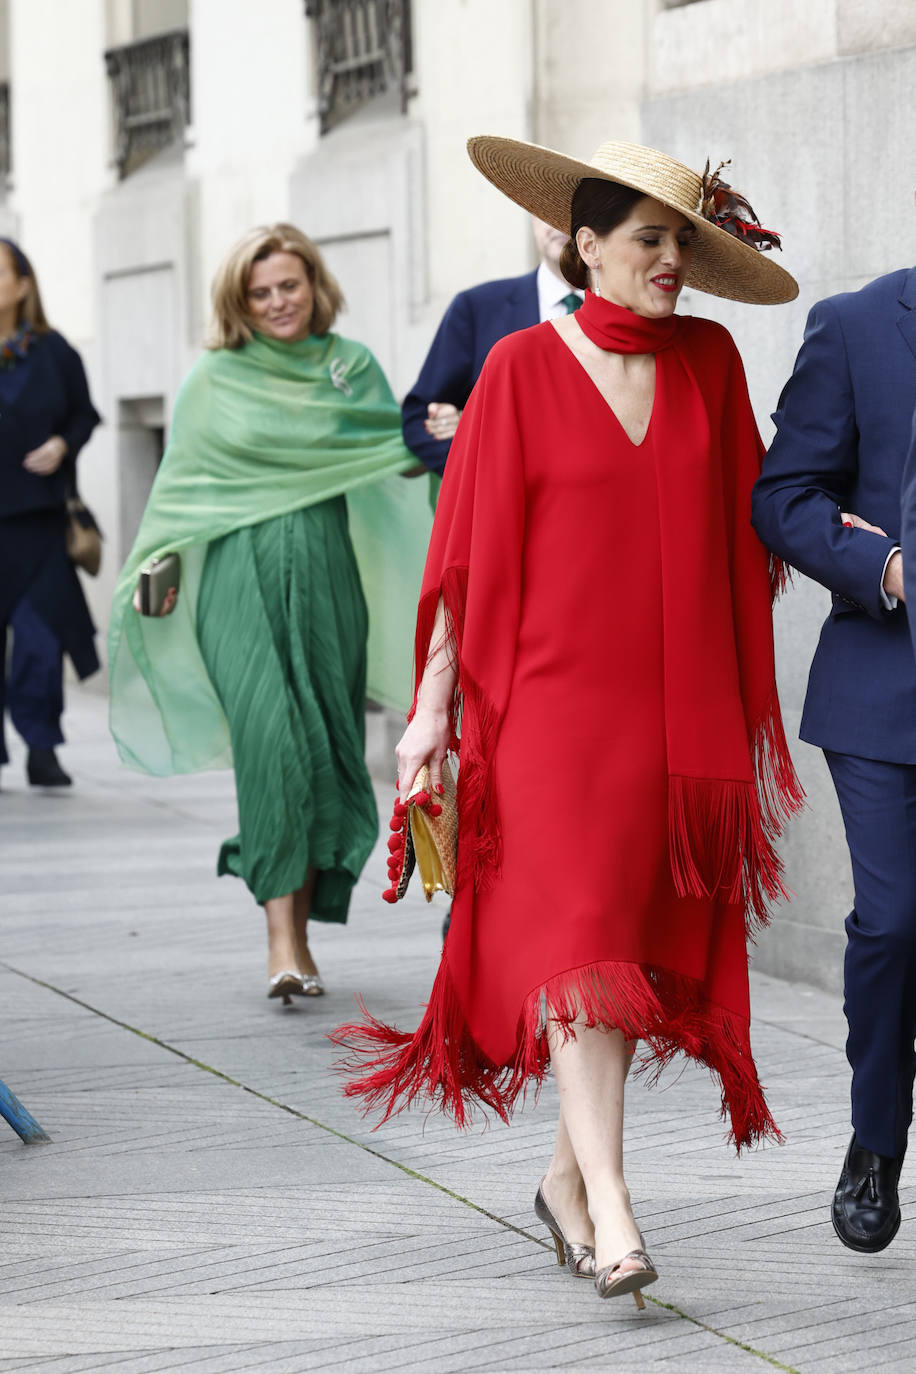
(572, 266)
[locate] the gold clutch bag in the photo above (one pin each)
(425, 836)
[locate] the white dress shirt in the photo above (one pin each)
(889, 602)
(551, 292)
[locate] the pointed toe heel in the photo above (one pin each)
(286, 984)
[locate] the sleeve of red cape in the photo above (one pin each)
(755, 580)
(474, 567)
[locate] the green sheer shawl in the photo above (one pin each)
(258, 432)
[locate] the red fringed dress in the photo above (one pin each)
(623, 767)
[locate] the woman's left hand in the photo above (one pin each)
(47, 458)
(169, 602)
(858, 523)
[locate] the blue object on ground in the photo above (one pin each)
(22, 1123)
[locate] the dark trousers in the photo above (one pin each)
(878, 802)
(34, 690)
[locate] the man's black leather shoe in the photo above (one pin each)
(866, 1212)
(43, 770)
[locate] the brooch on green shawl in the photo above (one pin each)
(338, 372)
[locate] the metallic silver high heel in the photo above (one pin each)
(610, 1282)
(286, 984)
(579, 1259)
(312, 985)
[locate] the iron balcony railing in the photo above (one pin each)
(151, 93)
(362, 48)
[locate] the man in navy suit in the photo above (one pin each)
(828, 502)
(473, 323)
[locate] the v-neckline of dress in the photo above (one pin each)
(600, 395)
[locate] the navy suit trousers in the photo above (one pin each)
(34, 693)
(878, 802)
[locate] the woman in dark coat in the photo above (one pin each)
(46, 416)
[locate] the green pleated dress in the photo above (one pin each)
(282, 626)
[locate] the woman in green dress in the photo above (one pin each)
(259, 661)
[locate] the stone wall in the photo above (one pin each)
(825, 153)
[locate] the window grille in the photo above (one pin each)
(151, 92)
(362, 48)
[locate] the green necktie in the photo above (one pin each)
(572, 302)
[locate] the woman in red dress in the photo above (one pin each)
(595, 625)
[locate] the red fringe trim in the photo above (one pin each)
(475, 722)
(779, 790)
(441, 1064)
(721, 834)
(781, 576)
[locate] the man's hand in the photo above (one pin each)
(893, 573)
(442, 419)
(47, 459)
(893, 576)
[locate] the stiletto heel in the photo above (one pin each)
(610, 1282)
(579, 1259)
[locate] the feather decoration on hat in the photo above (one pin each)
(731, 211)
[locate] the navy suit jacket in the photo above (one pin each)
(843, 432)
(473, 323)
(908, 521)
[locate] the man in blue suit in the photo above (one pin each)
(472, 324)
(828, 502)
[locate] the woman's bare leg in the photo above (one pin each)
(302, 905)
(564, 1187)
(564, 1190)
(281, 939)
(590, 1071)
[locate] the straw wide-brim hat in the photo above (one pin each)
(543, 182)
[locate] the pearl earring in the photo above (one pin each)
(596, 289)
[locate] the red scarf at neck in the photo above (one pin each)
(620, 330)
